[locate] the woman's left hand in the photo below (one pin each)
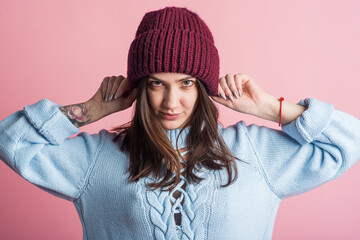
(252, 96)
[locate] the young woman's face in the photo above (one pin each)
(172, 97)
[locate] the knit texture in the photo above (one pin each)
(90, 170)
(177, 40)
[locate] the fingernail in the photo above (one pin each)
(235, 94)
(240, 92)
(110, 97)
(116, 95)
(231, 98)
(223, 96)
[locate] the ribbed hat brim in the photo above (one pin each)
(174, 50)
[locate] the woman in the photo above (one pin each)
(174, 172)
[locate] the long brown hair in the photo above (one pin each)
(150, 150)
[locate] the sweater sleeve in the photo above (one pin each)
(35, 142)
(319, 146)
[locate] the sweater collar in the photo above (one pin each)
(174, 133)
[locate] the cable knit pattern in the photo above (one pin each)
(194, 211)
(90, 171)
(160, 213)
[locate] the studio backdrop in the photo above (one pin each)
(62, 50)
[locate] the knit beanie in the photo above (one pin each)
(174, 39)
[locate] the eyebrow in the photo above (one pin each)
(176, 80)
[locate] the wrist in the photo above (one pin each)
(95, 110)
(269, 109)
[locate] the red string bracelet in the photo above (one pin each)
(280, 99)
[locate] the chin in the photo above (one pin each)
(170, 126)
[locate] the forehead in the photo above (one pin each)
(164, 76)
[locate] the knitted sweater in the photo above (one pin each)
(90, 171)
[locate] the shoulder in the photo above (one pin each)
(233, 130)
(234, 135)
(102, 137)
(103, 146)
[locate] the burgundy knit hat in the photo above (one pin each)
(174, 39)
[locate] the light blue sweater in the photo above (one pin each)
(90, 171)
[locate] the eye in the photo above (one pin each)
(188, 83)
(155, 83)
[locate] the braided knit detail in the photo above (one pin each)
(194, 211)
(160, 213)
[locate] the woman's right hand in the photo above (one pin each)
(115, 94)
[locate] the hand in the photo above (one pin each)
(115, 94)
(252, 96)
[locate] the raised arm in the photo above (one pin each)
(241, 93)
(317, 143)
(82, 113)
(114, 94)
(270, 110)
(317, 147)
(36, 142)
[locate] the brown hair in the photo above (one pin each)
(150, 149)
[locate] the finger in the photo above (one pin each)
(221, 101)
(113, 92)
(226, 89)
(129, 98)
(221, 92)
(109, 87)
(121, 80)
(124, 87)
(238, 83)
(103, 87)
(133, 94)
(231, 84)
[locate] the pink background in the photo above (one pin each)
(61, 50)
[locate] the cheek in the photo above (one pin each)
(154, 100)
(191, 100)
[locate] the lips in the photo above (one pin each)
(169, 116)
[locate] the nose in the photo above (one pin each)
(171, 99)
